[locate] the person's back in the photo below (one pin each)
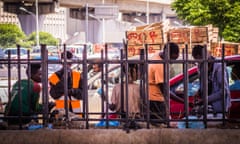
(133, 95)
(215, 96)
(74, 87)
(157, 106)
(155, 76)
(133, 98)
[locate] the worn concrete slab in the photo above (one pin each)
(112, 136)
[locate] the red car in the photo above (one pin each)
(177, 90)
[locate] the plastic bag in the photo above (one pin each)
(191, 124)
(102, 123)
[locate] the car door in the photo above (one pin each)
(177, 93)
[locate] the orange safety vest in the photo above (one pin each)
(76, 104)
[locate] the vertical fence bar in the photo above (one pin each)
(125, 92)
(123, 55)
(142, 88)
(205, 85)
(223, 86)
(44, 63)
(166, 82)
(105, 73)
(145, 82)
(19, 86)
(65, 75)
(9, 76)
(185, 72)
(28, 82)
(85, 87)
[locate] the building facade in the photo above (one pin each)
(54, 23)
(8, 17)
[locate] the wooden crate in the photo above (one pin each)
(182, 35)
(151, 34)
(135, 49)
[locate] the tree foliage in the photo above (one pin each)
(10, 35)
(224, 14)
(44, 38)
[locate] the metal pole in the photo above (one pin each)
(147, 12)
(103, 30)
(86, 39)
(36, 19)
(37, 25)
(103, 27)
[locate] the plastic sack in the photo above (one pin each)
(191, 124)
(38, 126)
(99, 91)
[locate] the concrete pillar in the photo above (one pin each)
(28, 23)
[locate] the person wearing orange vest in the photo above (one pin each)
(74, 84)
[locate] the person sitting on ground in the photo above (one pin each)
(29, 93)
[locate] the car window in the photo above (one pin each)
(234, 74)
(229, 69)
(193, 87)
(194, 83)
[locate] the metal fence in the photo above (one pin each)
(95, 112)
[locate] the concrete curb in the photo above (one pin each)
(112, 136)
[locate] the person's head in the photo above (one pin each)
(173, 50)
(96, 67)
(235, 72)
(33, 71)
(69, 56)
(132, 72)
(197, 52)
